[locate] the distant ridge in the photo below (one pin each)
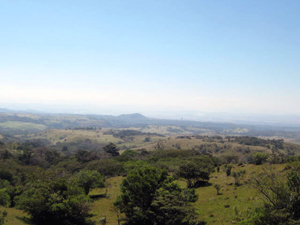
(5, 110)
(133, 116)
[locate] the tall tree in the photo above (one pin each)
(55, 202)
(193, 172)
(111, 149)
(88, 179)
(150, 197)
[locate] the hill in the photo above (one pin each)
(16, 123)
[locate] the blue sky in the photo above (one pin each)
(211, 56)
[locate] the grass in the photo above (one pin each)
(14, 216)
(65, 135)
(240, 199)
(22, 125)
(104, 207)
(96, 136)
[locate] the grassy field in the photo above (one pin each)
(22, 125)
(14, 216)
(96, 136)
(211, 207)
(66, 135)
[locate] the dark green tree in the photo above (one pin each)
(150, 197)
(111, 149)
(82, 155)
(88, 179)
(55, 202)
(3, 215)
(238, 176)
(193, 172)
(259, 158)
(26, 155)
(228, 169)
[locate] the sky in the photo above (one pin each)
(150, 56)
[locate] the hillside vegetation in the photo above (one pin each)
(13, 123)
(224, 183)
(143, 174)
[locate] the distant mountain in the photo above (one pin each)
(133, 116)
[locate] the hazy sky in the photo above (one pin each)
(205, 55)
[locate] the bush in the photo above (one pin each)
(55, 202)
(106, 167)
(4, 197)
(281, 199)
(259, 158)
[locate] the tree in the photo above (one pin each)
(3, 215)
(26, 155)
(129, 153)
(259, 158)
(4, 197)
(111, 149)
(230, 158)
(193, 172)
(238, 176)
(218, 188)
(88, 179)
(281, 199)
(159, 146)
(5, 154)
(150, 197)
(147, 139)
(55, 202)
(106, 167)
(82, 155)
(228, 169)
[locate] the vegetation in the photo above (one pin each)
(194, 174)
(88, 174)
(281, 198)
(55, 202)
(150, 197)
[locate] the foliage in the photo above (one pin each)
(130, 153)
(228, 169)
(238, 176)
(230, 159)
(132, 165)
(26, 155)
(87, 179)
(260, 142)
(111, 149)
(3, 216)
(192, 172)
(259, 158)
(55, 202)
(159, 146)
(281, 199)
(85, 156)
(106, 167)
(218, 188)
(6, 175)
(150, 197)
(4, 197)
